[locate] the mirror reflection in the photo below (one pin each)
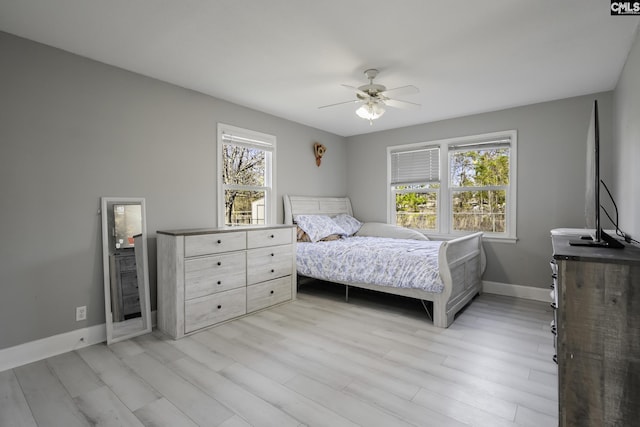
(126, 275)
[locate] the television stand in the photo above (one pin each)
(596, 325)
(606, 241)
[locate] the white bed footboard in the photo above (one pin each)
(459, 262)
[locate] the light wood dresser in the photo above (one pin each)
(598, 334)
(208, 276)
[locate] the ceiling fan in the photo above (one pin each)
(373, 98)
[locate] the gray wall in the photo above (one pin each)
(73, 130)
(551, 175)
(626, 134)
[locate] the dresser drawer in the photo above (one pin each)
(268, 293)
(128, 282)
(269, 263)
(269, 237)
(216, 273)
(126, 262)
(211, 309)
(205, 244)
(130, 305)
(129, 287)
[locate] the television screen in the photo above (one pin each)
(598, 238)
(592, 195)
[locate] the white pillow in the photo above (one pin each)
(318, 226)
(347, 223)
(379, 229)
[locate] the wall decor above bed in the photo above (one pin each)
(389, 259)
(319, 150)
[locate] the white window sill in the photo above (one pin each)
(494, 239)
(485, 238)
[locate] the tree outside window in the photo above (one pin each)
(417, 206)
(243, 172)
(246, 167)
(479, 180)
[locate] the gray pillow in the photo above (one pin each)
(380, 229)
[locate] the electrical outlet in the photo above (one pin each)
(81, 313)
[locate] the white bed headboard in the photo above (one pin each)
(310, 205)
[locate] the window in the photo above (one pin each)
(415, 180)
(455, 186)
(245, 176)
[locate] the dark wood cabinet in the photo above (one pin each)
(125, 296)
(598, 334)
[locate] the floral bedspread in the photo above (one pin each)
(374, 260)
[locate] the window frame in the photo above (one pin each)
(444, 218)
(253, 139)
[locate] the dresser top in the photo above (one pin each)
(216, 230)
(563, 250)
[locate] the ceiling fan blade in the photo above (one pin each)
(401, 91)
(396, 103)
(353, 101)
(356, 90)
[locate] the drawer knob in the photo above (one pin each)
(272, 236)
(219, 282)
(219, 241)
(272, 254)
(272, 270)
(219, 307)
(271, 292)
(219, 263)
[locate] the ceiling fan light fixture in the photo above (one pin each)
(370, 111)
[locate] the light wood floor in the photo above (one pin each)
(317, 361)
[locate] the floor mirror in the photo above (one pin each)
(125, 266)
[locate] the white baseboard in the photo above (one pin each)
(51, 346)
(518, 291)
(33, 351)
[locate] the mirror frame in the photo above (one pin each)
(120, 331)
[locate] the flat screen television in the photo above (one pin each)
(598, 238)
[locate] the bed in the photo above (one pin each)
(458, 263)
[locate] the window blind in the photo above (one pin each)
(481, 145)
(415, 166)
(246, 141)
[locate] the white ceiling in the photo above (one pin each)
(288, 57)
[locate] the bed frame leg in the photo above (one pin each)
(346, 293)
(426, 308)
